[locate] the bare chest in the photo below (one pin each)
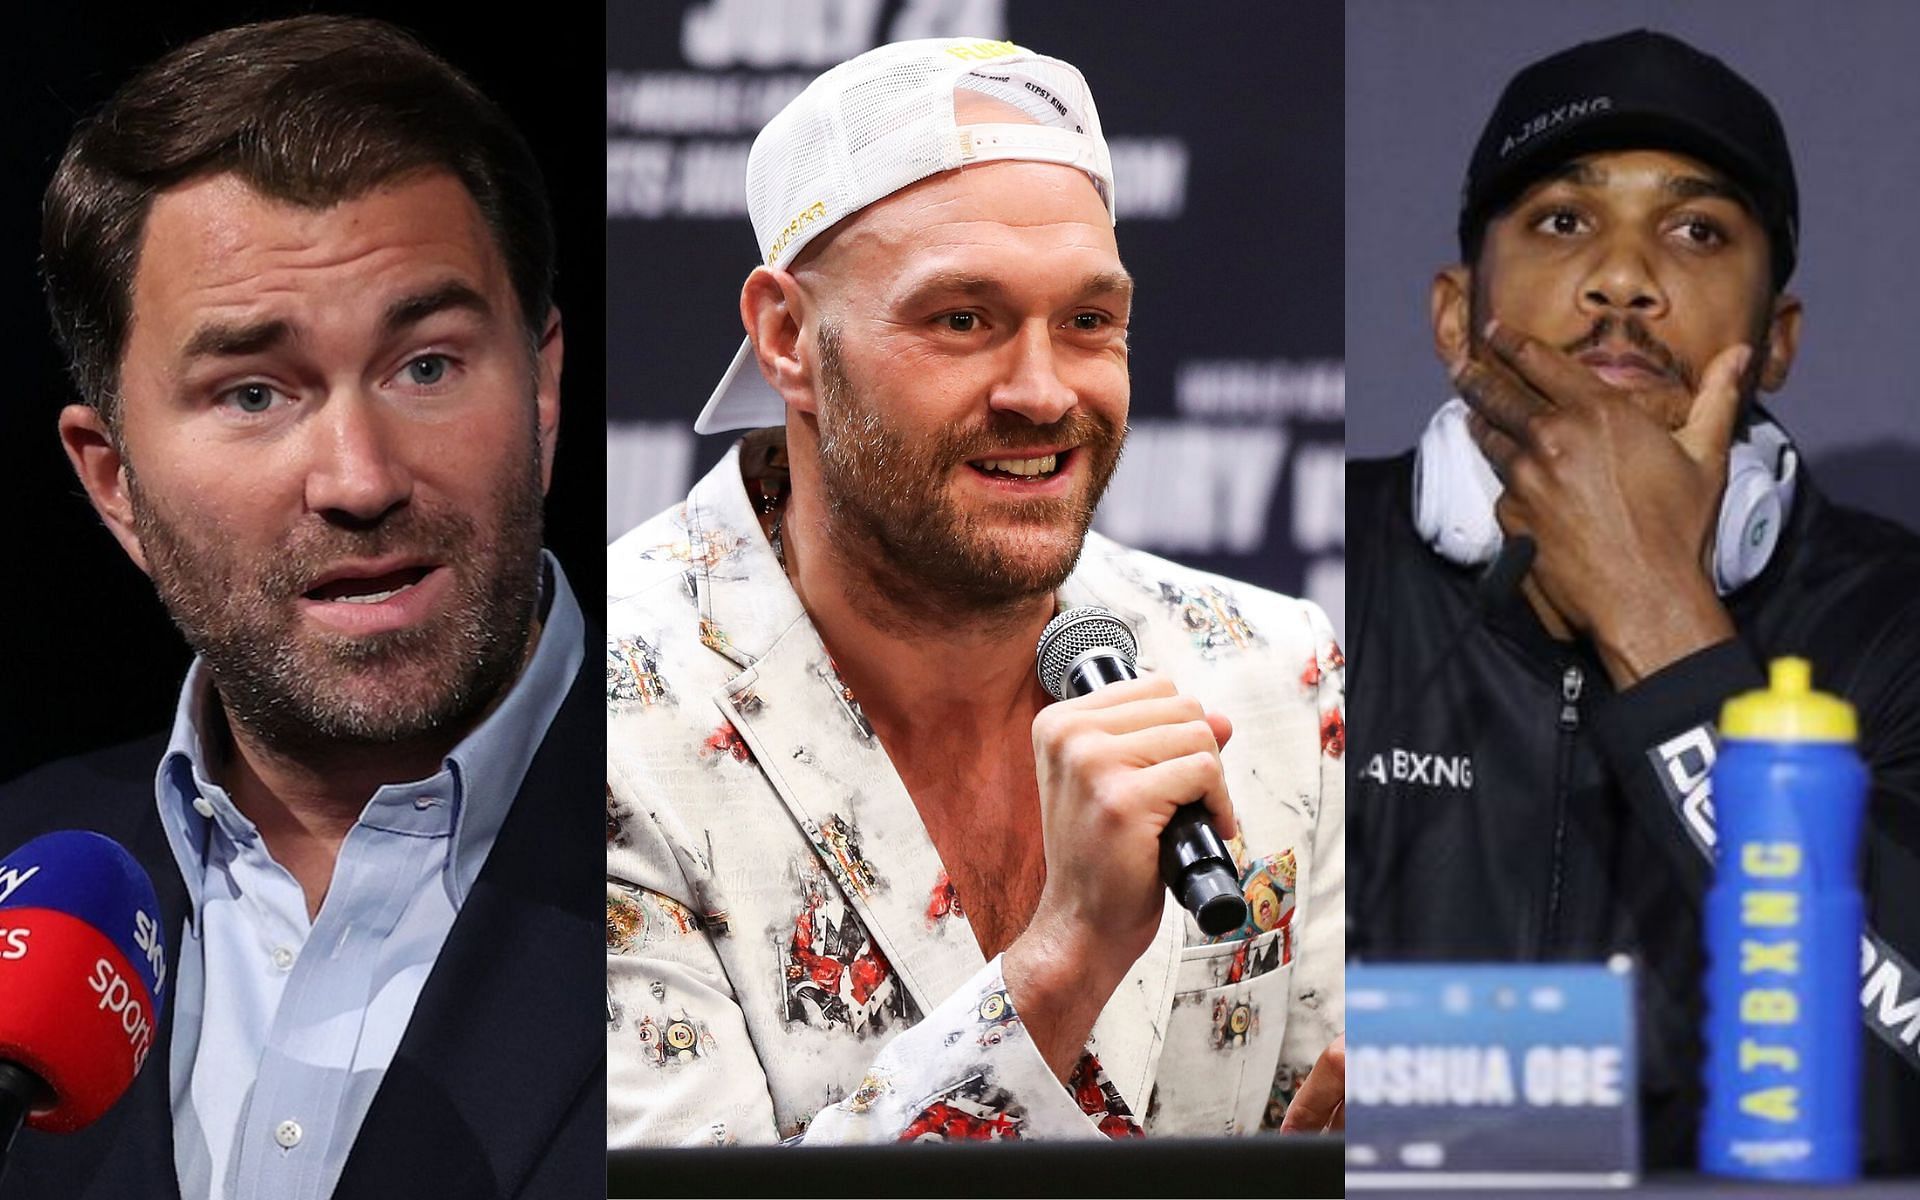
(984, 821)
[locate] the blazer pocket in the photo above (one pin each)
(1222, 1050)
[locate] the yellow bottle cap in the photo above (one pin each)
(1789, 710)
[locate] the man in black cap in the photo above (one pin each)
(1599, 540)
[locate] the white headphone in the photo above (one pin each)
(1455, 489)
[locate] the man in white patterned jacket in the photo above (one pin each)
(864, 882)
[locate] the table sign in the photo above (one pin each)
(1476, 1076)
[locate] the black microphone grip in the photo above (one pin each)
(1197, 867)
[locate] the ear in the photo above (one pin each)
(1783, 339)
(546, 394)
(774, 310)
(97, 460)
(1450, 307)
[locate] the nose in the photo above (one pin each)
(1032, 386)
(357, 472)
(1621, 278)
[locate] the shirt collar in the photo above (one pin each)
(485, 769)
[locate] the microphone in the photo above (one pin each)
(83, 972)
(1087, 648)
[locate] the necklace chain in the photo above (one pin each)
(773, 484)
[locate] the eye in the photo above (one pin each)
(427, 370)
(1560, 222)
(961, 322)
(1700, 232)
(252, 399)
(1089, 322)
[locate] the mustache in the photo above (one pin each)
(1635, 333)
(1007, 435)
(310, 551)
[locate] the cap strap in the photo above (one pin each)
(1038, 143)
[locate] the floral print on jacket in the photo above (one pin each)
(786, 957)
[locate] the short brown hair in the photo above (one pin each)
(312, 111)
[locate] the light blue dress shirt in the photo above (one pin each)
(284, 1027)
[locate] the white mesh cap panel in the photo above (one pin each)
(899, 128)
(884, 120)
(906, 93)
(795, 178)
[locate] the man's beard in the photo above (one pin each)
(888, 502)
(305, 692)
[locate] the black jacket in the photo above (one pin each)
(1507, 805)
(498, 1087)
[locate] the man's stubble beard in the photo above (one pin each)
(307, 693)
(888, 511)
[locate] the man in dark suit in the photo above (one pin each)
(303, 274)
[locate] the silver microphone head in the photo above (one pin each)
(1073, 633)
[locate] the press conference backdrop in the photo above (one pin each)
(1226, 139)
(1421, 79)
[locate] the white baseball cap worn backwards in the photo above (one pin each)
(878, 123)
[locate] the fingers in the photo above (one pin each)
(1500, 397)
(1226, 822)
(1541, 367)
(1499, 449)
(1168, 743)
(1142, 704)
(1125, 692)
(1160, 743)
(1189, 778)
(1191, 752)
(1510, 516)
(1320, 1104)
(1143, 714)
(1222, 728)
(1716, 408)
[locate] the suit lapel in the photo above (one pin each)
(505, 1047)
(814, 744)
(815, 747)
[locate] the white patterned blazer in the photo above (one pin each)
(785, 955)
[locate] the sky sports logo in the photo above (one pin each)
(11, 879)
(124, 1000)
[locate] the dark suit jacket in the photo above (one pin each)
(498, 1088)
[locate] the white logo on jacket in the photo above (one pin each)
(1411, 766)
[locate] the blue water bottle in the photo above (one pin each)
(1783, 928)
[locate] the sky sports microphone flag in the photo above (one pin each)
(83, 971)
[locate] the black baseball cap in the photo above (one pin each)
(1640, 90)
